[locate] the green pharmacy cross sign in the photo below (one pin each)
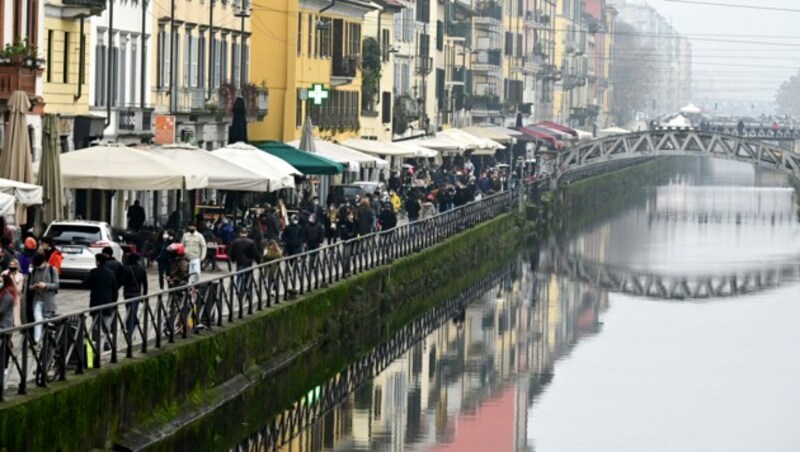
(318, 94)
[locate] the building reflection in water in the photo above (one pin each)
(467, 385)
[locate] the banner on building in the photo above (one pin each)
(165, 129)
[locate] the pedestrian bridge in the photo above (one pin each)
(668, 286)
(669, 143)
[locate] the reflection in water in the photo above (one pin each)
(548, 362)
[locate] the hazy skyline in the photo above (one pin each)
(751, 69)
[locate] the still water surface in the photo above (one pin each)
(547, 363)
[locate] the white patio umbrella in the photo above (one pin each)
(222, 174)
(280, 174)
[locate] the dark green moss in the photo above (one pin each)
(95, 410)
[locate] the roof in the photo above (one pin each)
(306, 162)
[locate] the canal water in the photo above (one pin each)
(548, 359)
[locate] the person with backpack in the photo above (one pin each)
(41, 291)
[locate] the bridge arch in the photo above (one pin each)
(676, 142)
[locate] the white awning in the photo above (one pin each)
(222, 174)
(477, 144)
(490, 133)
(377, 147)
(416, 150)
(613, 131)
(7, 204)
(280, 174)
(118, 167)
(28, 194)
(354, 160)
(440, 144)
(583, 135)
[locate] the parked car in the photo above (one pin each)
(339, 194)
(371, 186)
(79, 242)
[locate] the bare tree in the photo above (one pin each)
(633, 73)
(788, 96)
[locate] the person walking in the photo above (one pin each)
(272, 253)
(51, 253)
(365, 218)
(387, 217)
(8, 293)
(115, 266)
(163, 259)
(136, 217)
(293, 237)
(180, 267)
(195, 247)
(134, 285)
(26, 257)
(19, 285)
(244, 253)
(103, 289)
(273, 226)
(41, 292)
(314, 233)
(347, 231)
(428, 208)
(413, 207)
(330, 224)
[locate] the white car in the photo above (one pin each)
(79, 242)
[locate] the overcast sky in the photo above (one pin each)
(742, 71)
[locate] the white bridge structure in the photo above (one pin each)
(676, 142)
(668, 286)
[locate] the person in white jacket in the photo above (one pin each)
(196, 248)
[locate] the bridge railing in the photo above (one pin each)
(53, 349)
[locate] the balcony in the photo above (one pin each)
(460, 30)
(485, 103)
(344, 67)
(487, 61)
(193, 100)
(18, 77)
(256, 99)
(488, 13)
(533, 63)
(536, 20)
(456, 75)
(79, 7)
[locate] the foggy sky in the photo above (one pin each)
(726, 70)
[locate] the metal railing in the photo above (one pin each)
(71, 344)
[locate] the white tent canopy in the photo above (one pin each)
(222, 174)
(691, 109)
(7, 205)
(442, 144)
(583, 135)
(613, 131)
(489, 133)
(679, 121)
(28, 194)
(354, 160)
(416, 150)
(469, 141)
(280, 174)
(118, 167)
(377, 147)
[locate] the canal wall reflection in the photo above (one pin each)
(468, 384)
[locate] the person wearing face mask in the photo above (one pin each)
(293, 237)
(347, 231)
(41, 292)
(315, 208)
(315, 233)
(19, 284)
(163, 258)
(195, 246)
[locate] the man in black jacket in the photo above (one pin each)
(102, 285)
(293, 237)
(115, 266)
(134, 284)
(243, 252)
(413, 207)
(315, 233)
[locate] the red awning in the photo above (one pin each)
(549, 139)
(559, 127)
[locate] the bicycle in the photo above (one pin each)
(178, 301)
(48, 364)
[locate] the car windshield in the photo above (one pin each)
(351, 192)
(74, 234)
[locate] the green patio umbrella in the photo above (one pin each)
(306, 162)
(15, 160)
(50, 171)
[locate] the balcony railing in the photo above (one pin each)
(460, 30)
(18, 77)
(344, 67)
(488, 60)
(491, 10)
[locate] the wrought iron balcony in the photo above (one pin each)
(460, 30)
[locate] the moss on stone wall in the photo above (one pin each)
(96, 409)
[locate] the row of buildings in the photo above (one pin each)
(139, 70)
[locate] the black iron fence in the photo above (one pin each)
(290, 423)
(53, 349)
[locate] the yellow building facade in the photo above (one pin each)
(308, 43)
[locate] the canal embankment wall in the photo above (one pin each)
(152, 393)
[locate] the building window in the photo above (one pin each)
(223, 60)
(310, 34)
(298, 117)
(235, 62)
(49, 74)
(201, 60)
(215, 47)
(175, 61)
(100, 70)
(385, 45)
(386, 107)
(194, 61)
(164, 52)
(187, 60)
(439, 35)
(509, 48)
(119, 71)
(354, 39)
(299, 34)
(246, 61)
(65, 62)
(423, 11)
(133, 76)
